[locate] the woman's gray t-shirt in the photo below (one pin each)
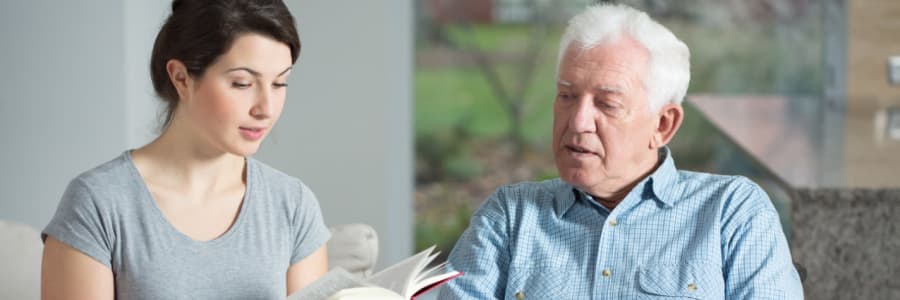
(108, 214)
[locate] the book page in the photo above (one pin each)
(433, 271)
(335, 280)
(434, 282)
(366, 293)
(432, 276)
(400, 277)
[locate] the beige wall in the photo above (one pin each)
(874, 35)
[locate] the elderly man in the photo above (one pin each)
(622, 222)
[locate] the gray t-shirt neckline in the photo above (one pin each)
(147, 199)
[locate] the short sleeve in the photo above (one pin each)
(758, 261)
(481, 254)
(308, 227)
(79, 223)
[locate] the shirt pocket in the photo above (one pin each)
(690, 281)
(536, 282)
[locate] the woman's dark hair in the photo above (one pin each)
(199, 31)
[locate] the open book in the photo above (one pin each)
(407, 279)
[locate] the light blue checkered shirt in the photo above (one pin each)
(676, 234)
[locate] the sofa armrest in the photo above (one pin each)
(353, 247)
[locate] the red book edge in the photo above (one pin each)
(428, 288)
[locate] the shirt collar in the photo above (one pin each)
(565, 198)
(658, 184)
(664, 179)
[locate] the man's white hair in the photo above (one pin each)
(669, 70)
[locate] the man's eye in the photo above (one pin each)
(606, 105)
(240, 85)
(565, 96)
(280, 84)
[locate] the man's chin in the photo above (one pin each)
(578, 178)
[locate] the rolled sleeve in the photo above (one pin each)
(310, 232)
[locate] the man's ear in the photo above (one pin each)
(179, 77)
(668, 120)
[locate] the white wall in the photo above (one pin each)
(76, 93)
(347, 128)
(62, 99)
(142, 20)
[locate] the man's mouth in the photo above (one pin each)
(577, 149)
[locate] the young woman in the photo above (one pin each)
(191, 215)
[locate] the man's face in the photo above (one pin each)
(602, 123)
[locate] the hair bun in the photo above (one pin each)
(176, 5)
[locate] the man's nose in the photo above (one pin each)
(583, 118)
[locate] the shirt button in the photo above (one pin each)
(520, 296)
(692, 287)
(613, 222)
(606, 273)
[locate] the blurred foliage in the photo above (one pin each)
(441, 227)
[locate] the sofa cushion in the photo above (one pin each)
(353, 247)
(20, 261)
